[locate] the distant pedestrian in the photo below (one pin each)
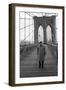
(41, 54)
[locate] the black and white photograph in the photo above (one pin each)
(37, 44)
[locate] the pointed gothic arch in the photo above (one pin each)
(40, 34)
(48, 34)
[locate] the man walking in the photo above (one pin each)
(41, 54)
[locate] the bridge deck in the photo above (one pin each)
(29, 64)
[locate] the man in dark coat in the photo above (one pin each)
(41, 54)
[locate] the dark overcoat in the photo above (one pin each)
(41, 53)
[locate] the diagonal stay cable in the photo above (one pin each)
(28, 35)
(32, 16)
(27, 26)
(29, 14)
(30, 24)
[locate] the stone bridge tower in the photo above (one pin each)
(44, 22)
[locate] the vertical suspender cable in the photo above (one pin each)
(25, 26)
(29, 27)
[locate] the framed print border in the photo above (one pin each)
(12, 43)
